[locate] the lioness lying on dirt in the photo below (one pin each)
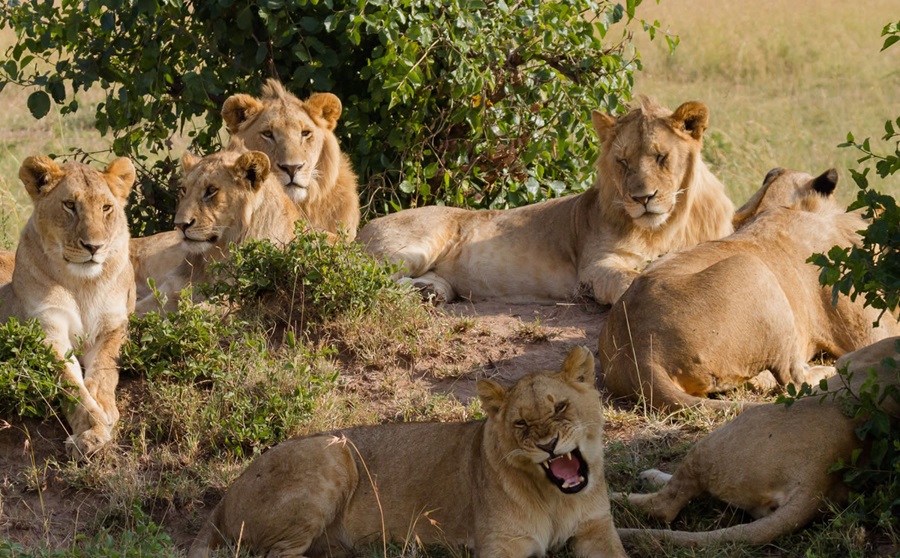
(771, 461)
(715, 316)
(525, 480)
(653, 194)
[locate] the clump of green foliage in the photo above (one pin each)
(306, 282)
(30, 381)
(213, 384)
(464, 102)
(872, 270)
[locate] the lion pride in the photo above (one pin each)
(715, 316)
(653, 194)
(522, 482)
(73, 275)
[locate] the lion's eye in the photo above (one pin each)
(520, 424)
(623, 162)
(181, 191)
(107, 208)
(267, 134)
(70, 206)
(661, 158)
(561, 406)
(210, 192)
(306, 133)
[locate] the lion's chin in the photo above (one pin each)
(198, 246)
(569, 472)
(86, 270)
(651, 221)
(296, 192)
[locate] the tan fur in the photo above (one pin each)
(7, 264)
(591, 244)
(72, 274)
(480, 484)
(771, 461)
(298, 136)
(247, 203)
(713, 317)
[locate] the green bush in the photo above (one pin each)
(212, 384)
(872, 270)
(30, 381)
(306, 282)
(482, 103)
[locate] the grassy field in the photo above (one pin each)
(200, 395)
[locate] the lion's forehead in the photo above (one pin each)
(536, 397)
(87, 189)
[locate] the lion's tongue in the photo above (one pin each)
(565, 468)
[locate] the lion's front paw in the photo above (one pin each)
(87, 443)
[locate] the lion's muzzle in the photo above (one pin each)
(569, 472)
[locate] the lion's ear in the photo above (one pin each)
(579, 366)
(238, 109)
(325, 106)
(691, 117)
(826, 182)
(492, 395)
(603, 124)
(189, 161)
(39, 174)
(254, 167)
(120, 176)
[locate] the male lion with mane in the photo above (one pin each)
(713, 317)
(653, 194)
(772, 461)
(298, 136)
(72, 274)
(227, 198)
(523, 481)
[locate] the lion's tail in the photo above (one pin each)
(786, 519)
(209, 538)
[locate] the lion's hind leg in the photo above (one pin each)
(433, 287)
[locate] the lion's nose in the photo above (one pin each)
(644, 200)
(549, 446)
(92, 248)
(183, 226)
(291, 170)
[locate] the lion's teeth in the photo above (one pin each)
(569, 455)
(545, 464)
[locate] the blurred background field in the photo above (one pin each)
(785, 82)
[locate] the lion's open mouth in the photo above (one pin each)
(569, 472)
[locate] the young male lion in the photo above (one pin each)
(525, 480)
(298, 136)
(715, 316)
(653, 194)
(771, 461)
(73, 275)
(227, 197)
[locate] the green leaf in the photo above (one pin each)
(39, 104)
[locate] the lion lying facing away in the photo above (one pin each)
(713, 317)
(228, 197)
(771, 461)
(298, 137)
(525, 480)
(653, 194)
(72, 274)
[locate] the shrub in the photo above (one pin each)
(30, 381)
(212, 384)
(465, 102)
(306, 282)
